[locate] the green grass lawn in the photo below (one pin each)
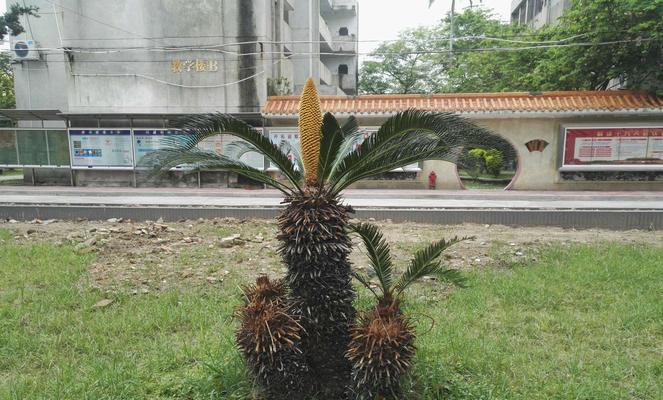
(584, 322)
(483, 185)
(11, 177)
(502, 175)
(471, 183)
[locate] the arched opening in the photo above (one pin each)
(343, 31)
(485, 168)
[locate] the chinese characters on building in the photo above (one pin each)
(178, 66)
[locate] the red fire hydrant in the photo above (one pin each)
(432, 178)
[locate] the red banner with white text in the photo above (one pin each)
(613, 146)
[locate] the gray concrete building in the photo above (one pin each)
(537, 13)
(171, 57)
(111, 66)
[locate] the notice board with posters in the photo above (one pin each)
(101, 148)
(287, 141)
(612, 148)
(222, 144)
(366, 132)
(149, 141)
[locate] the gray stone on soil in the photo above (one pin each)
(230, 241)
(103, 303)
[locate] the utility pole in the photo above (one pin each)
(451, 28)
(451, 21)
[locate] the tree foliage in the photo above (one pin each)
(487, 160)
(637, 63)
(596, 45)
(7, 97)
(402, 66)
(10, 21)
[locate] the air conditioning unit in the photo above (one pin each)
(25, 50)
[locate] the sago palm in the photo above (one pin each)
(313, 226)
(382, 341)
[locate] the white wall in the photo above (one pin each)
(140, 78)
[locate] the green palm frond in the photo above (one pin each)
(286, 148)
(364, 280)
(170, 158)
(333, 140)
(238, 148)
(411, 136)
(378, 254)
(202, 126)
(410, 148)
(426, 262)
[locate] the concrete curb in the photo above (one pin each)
(579, 219)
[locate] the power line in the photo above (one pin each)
(161, 81)
(378, 53)
(343, 41)
(164, 82)
(216, 48)
(97, 21)
(27, 19)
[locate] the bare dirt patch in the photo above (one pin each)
(144, 257)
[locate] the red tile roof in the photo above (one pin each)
(475, 102)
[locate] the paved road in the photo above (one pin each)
(360, 199)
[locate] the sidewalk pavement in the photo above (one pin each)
(358, 198)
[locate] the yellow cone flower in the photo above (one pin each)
(310, 122)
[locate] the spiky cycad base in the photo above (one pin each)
(315, 247)
(381, 350)
(269, 338)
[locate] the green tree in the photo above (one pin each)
(402, 66)
(7, 98)
(471, 68)
(420, 59)
(10, 21)
(637, 61)
(597, 44)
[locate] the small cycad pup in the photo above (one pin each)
(269, 338)
(382, 341)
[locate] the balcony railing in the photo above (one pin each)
(330, 7)
(344, 4)
(345, 44)
(345, 81)
(326, 76)
(286, 37)
(325, 36)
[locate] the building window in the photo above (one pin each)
(343, 69)
(343, 31)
